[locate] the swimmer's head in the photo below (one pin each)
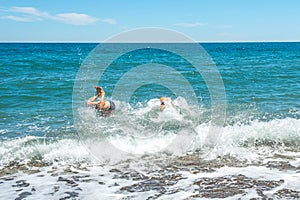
(162, 103)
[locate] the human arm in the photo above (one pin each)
(105, 105)
(102, 100)
(92, 100)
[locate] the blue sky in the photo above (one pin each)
(202, 20)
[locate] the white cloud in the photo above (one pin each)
(29, 11)
(30, 14)
(18, 19)
(190, 25)
(75, 18)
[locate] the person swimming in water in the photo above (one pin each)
(165, 101)
(105, 107)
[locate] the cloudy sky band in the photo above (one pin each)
(31, 14)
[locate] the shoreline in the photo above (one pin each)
(165, 177)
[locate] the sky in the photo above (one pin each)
(97, 20)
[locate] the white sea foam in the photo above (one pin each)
(290, 179)
(31, 147)
(254, 140)
(235, 140)
(146, 130)
(133, 132)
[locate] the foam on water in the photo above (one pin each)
(144, 136)
(289, 178)
(29, 148)
(254, 140)
(146, 130)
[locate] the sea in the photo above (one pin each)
(233, 132)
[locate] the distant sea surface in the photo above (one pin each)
(260, 141)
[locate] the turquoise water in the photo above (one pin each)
(37, 81)
(49, 139)
(36, 88)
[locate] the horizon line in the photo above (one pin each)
(233, 41)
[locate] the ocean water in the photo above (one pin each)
(46, 152)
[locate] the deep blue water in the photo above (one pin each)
(37, 81)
